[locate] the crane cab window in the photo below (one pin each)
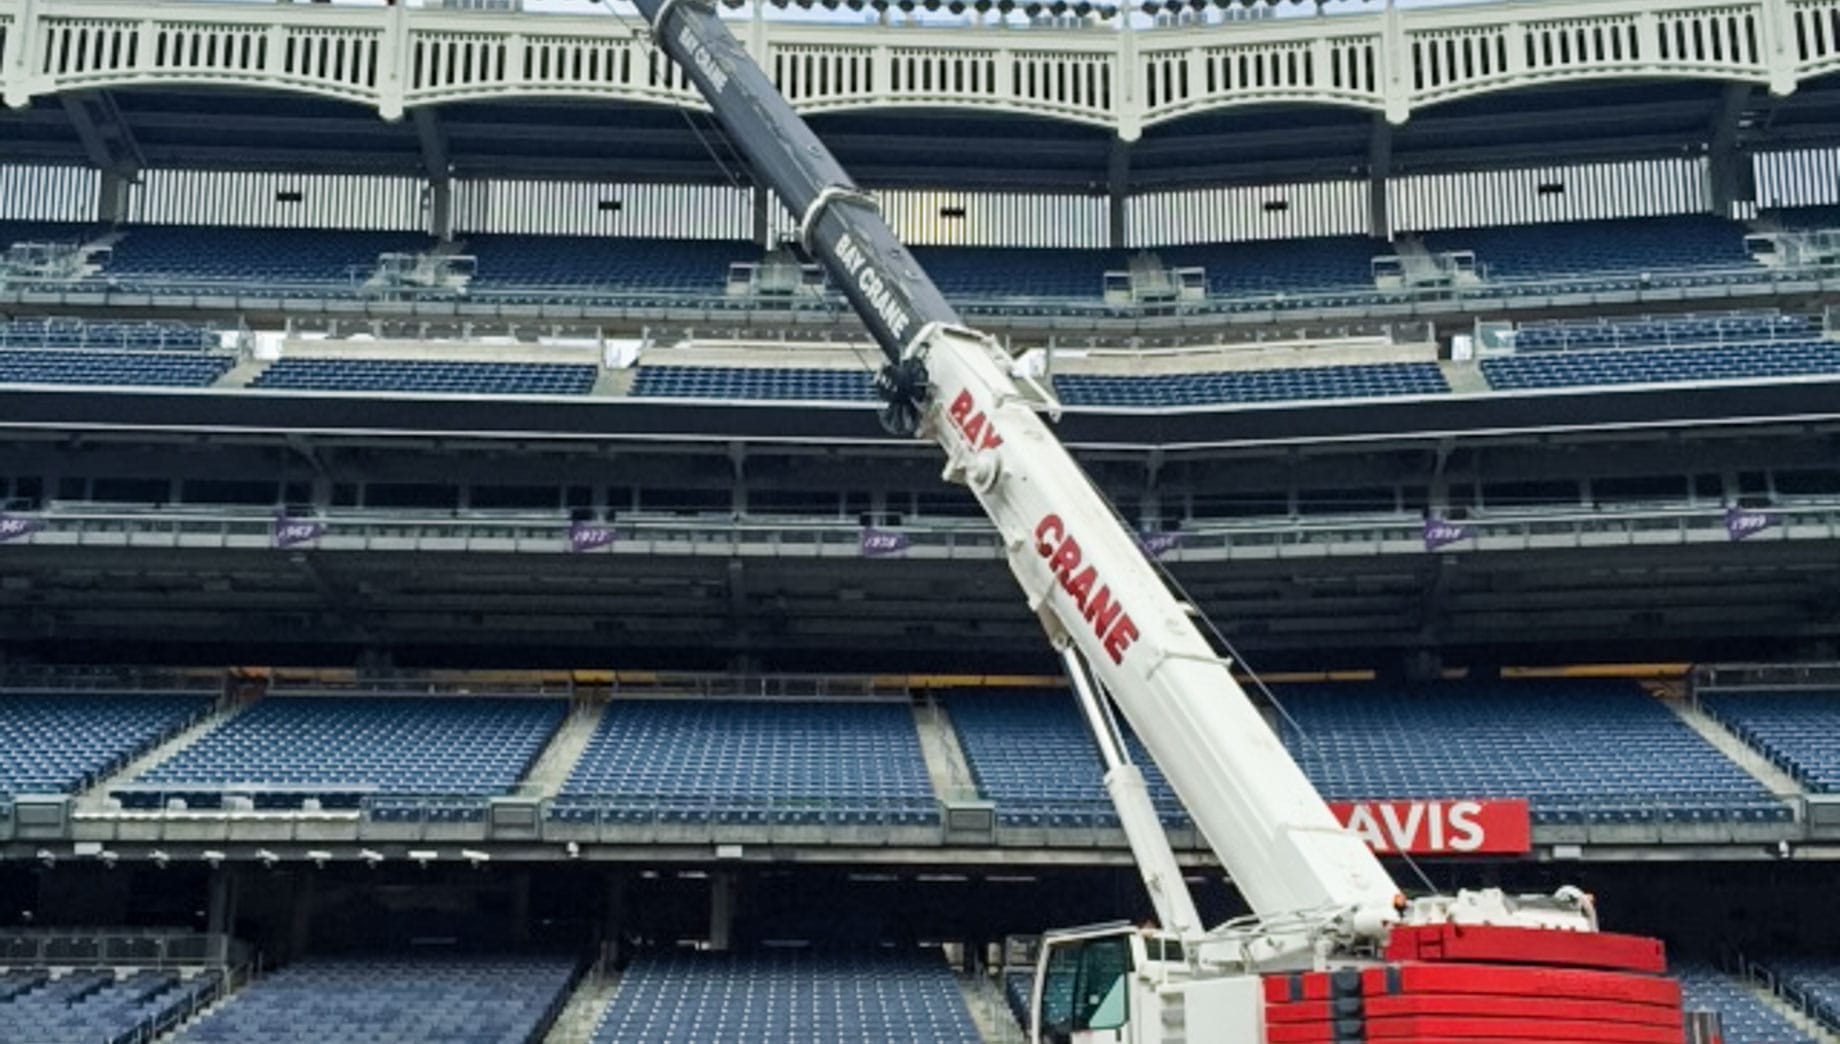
(1087, 987)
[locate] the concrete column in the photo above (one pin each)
(441, 209)
(220, 908)
(112, 197)
(1118, 185)
(721, 910)
(763, 207)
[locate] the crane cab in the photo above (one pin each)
(1120, 984)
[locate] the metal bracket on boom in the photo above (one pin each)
(808, 221)
(902, 387)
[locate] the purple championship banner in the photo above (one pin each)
(589, 536)
(16, 527)
(879, 543)
(1440, 533)
(293, 532)
(1156, 545)
(1741, 524)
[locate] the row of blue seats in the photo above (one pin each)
(1290, 384)
(1663, 365)
(427, 375)
(1797, 730)
(426, 1000)
(88, 366)
(96, 1006)
(1666, 330)
(788, 996)
(326, 747)
(65, 743)
(144, 335)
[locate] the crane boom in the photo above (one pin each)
(1082, 571)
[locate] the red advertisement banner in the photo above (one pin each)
(1450, 827)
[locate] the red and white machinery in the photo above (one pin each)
(1334, 951)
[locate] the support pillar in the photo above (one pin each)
(1379, 173)
(721, 911)
(763, 209)
(220, 907)
(1118, 185)
(520, 907)
(1730, 178)
(441, 209)
(112, 197)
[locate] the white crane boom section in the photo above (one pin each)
(1081, 569)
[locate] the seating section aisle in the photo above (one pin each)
(1606, 255)
(788, 996)
(283, 262)
(1031, 753)
(752, 762)
(1280, 385)
(1663, 365)
(432, 376)
(1580, 751)
(43, 1006)
(338, 749)
(738, 382)
(1797, 730)
(1818, 980)
(1746, 1018)
(90, 366)
(588, 265)
(394, 1001)
(56, 744)
(1734, 328)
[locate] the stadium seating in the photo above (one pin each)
(339, 749)
(1744, 1015)
(278, 262)
(1733, 328)
(433, 376)
(1817, 979)
(752, 762)
(1597, 256)
(44, 232)
(36, 332)
(1032, 754)
(1580, 751)
(1797, 730)
(736, 382)
(64, 743)
(1662, 365)
(788, 996)
(987, 273)
(1287, 384)
(1275, 268)
(393, 1001)
(89, 366)
(507, 264)
(95, 1006)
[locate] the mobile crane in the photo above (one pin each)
(1324, 907)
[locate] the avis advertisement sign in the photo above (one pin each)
(1494, 827)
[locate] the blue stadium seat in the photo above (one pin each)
(590, 265)
(1275, 267)
(1227, 386)
(753, 382)
(64, 743)
(1662, 365)
(278, 262)
(414, 1000)
(1603, 256)
(429, 376)
(1797, 730)
(83, 1006)
(1580, 751)
(1745, 1017)
(1032, 754)
(991, 273)
(787, 996)
(339, 749)
(753, 762)
(1817, 979)
(1735, 328)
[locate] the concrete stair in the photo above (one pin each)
(96, 798)
(582, 1013)
(945, 760)
(1748, 758)
(243, 374)
(565, 749)
(1804, 1023)
(614, 381)
(989, 1011)
(1464, 378)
